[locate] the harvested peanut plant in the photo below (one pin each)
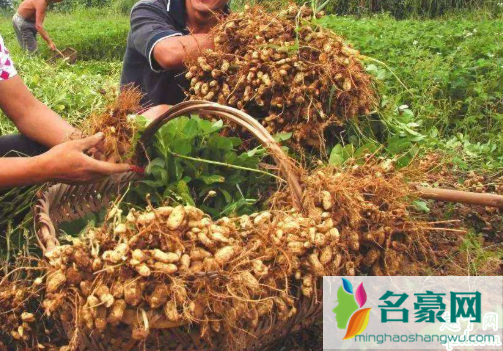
(284, 69)
(176, 266)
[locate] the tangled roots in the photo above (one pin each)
(176, 265)
(114, 123)
(284, 69)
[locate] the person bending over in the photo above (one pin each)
(163, 33)
(29, 20)
(45, 137)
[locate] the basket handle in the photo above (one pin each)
(285, 163)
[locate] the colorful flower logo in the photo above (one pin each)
(348, 312)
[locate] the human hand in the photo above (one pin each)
(97, 152)
(52, 46)
(68, 163)
(155, 112)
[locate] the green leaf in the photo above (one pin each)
(219, 142)
(152, 183)
(191, 129)
(368, 148)
(182, 147)
(421, 205)
(226, 194)
(183, 191)
(178, 169)
(156, 163)
(283, 136)
(322, 6)
(211, 179)
(336, 156)
(397, 145)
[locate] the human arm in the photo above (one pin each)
(40, 10)
(32, 118)
(157, 36)
(65, 163)
(155, 112)
(171, 53)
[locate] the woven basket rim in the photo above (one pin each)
(69, 201)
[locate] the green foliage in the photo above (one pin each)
(401, 9)
(71, 5)
(478, 257)
(191, 163)
(5, 4)
(454, 99)
(73, 91)
(96, 34)
(124, 6)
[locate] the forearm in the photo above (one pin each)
(44, 34)
(171, 53)
(19, 171)
(33, 119)
(41, 124)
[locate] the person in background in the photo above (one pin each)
(29, 20)
(163, 33)
(46, 137)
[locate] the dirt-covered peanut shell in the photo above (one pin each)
(225, 254)
(139, 255)
(143, 270)
(176, 218)
(158, 297)
(166, 257)
(316, 265)
(171, 311)
(116, 312)
(326, 200)
(55, 281)
(262, 218)
(164, 268)
(132, 292)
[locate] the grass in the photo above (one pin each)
(452, 69)
(399, 9)
(97, 34)
(74, 91)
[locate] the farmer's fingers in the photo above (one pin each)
(114, 158)
(97, 155)
(89, 142)
(101, 146)
(107, 168)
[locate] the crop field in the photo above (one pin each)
(429, 82)
(446, 71)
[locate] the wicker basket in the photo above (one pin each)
(62, 203)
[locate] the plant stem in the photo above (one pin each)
(389, 69)
(197, 159)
